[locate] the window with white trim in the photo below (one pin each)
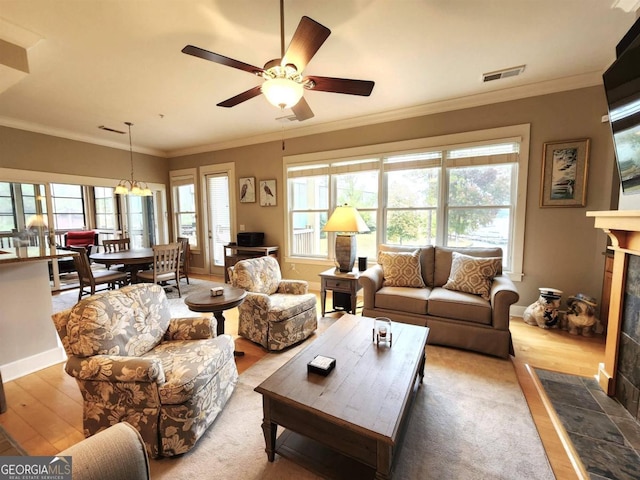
(68, 206)
(457, 194)
(106, 208)
(183, 188)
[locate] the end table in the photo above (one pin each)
(342, 283)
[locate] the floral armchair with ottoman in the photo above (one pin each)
(167, 377)
(276, 313)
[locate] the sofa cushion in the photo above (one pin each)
(426, 259)
(401, 269)
(472, 274)
(443, 258)
(459, 306)
(403, 299)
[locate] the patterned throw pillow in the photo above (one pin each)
(401, 269)
(472, 274)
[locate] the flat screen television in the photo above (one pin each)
(622, 88)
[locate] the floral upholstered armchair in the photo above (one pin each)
(276, 313)
(169, 378)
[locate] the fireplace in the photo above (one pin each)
(619, 375)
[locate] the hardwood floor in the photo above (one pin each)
(45, 408)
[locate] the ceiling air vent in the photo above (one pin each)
(505, 73)
(288, 118)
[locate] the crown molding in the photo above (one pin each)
(497, 96)
(68, 135)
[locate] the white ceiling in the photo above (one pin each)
(104, 62)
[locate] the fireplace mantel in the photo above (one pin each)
(623, 228)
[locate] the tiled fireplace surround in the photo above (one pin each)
(627, 389)
(619, 375)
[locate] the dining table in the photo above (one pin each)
(133, 260)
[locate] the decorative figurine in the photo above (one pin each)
(581, 316)
(544, 312)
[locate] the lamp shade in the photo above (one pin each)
(282, 92)
(345, 219)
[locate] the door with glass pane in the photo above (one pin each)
(219, 220)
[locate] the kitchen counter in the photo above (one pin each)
(31, 254)
(28, 339)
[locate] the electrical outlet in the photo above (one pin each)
(242, 228)
(293, 266)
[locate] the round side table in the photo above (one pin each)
(205, 302)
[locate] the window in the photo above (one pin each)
(184, 206)
(441, 191)
(106, 218)
(7, 214)
(68, 206)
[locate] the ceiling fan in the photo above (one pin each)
(284, 83)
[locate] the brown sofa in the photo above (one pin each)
(455, 318)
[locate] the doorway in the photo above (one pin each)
(218, 219)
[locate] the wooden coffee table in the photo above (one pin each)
(205, 302)
(359, 409)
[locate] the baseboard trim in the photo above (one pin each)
(25, 366)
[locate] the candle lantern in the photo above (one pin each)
(382, 331)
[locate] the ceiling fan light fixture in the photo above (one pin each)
(282, 92)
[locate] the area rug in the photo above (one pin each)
(469, 420)
(604, 435)
(8, 446)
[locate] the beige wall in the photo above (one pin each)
(24, 150)
(562, 249)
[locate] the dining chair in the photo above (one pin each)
(166, 265)
(117, 244)
(185, 258)
(87, 277)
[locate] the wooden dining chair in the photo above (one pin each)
(117, 244)
(90, 279)
(185, 258)
(166, 265)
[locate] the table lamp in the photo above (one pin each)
(347, 221)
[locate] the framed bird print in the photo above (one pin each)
(267, 193)
(247, 189)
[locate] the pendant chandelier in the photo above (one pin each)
(132, 187)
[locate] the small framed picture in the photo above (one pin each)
(268, 193)
(247, 189)
(564, 173)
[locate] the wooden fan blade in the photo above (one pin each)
(341, 85)
(242, 97)
(307, 39)
(302, 110)
(221, 59)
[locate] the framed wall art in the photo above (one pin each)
(268, 193)
(564, 173)
(247, 189)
